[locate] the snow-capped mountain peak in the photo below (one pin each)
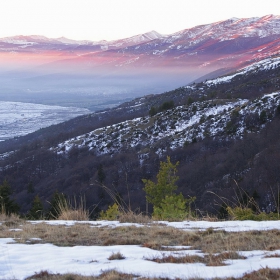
(152, 35)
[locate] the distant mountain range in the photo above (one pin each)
(225, 44)
(130, 67)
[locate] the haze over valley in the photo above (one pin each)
(98, 75)
(18, 119)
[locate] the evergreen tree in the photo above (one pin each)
(36, 211)
(152, 111)
(172, 208)
(30, 187)
(100, 174)
(7, 205)
(167, 204)
(263, 116)
(166, 178)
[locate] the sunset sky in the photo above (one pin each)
(115, 19)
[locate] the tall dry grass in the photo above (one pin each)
(72, 209)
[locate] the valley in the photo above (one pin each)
(18, 119)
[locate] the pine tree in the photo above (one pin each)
(100, 174)
(172, 208)
(167, 204)
(7, 205)
(166, 179)
(152, 111)
(30, 187)
(36, 211)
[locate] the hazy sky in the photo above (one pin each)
(114, 19)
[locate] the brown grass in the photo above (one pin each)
(74, 215)
(262, 274)
(273, 256)
(116, 256)
(72, 210)
(133, 217)
(10, 219)
(153, 236)
(108, 275)
(208, 259)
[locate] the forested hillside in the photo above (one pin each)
(224, 133)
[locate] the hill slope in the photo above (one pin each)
(222, 131)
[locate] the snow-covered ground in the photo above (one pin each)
(17, 118)
(266, 64)
(18, 261)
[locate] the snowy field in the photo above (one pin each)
(18, 261)
(17, 118)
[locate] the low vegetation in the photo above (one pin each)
(116, 256)
(162, 195)
(153, 236)
(209, 259)
(262, 274)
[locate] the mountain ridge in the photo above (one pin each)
(135, 66)
(151, 35)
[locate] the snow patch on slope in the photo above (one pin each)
(266, 64)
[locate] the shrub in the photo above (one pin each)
(166, 105)
(152, 111)
(111, 214)
(245, 213)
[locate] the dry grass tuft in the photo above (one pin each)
(106, 275)
(10, 220)
(132, 217)
(72, 210)
(219, 259)
(263, 274)
(116, 256)
(74, 215)
(209, 259)
(273, 256)
(175, 259)
(114, 275)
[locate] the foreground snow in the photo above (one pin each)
(18, 261)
